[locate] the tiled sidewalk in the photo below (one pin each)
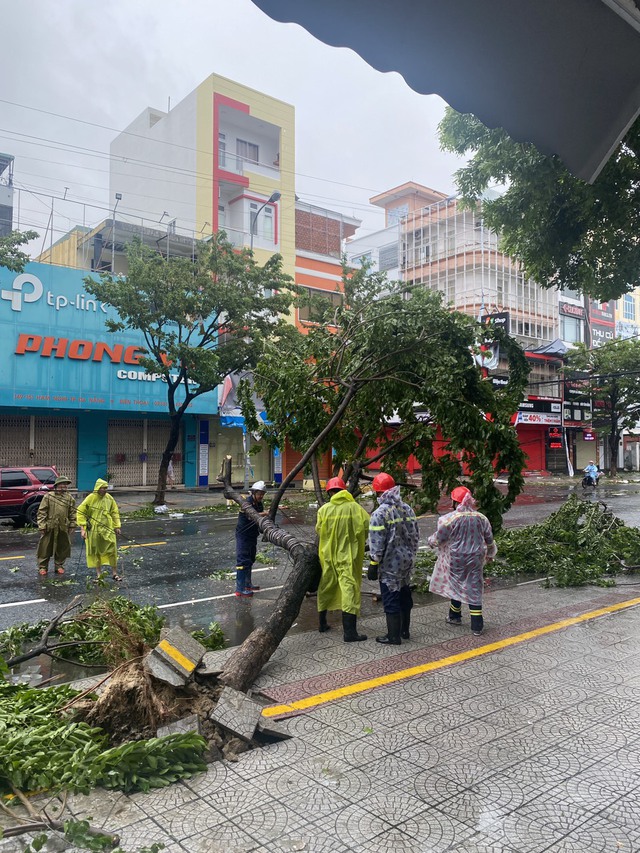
(532, 748)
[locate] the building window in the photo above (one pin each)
(267, 224)
(247, 151)
(362, 260)
(629, 307)
(222, 150)
(570, 329)
(571, 294)
(395, 214)
(222, 216)
(321, 306)
(388, 257)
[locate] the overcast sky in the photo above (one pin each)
(358, 132)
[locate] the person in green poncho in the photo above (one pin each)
(342, 526)
(99, 520)
(56, 521)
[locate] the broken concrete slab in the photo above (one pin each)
(154, 664)
(271, 729)
(180, 651)
(213, 663)
(237, 713)
(183, 726)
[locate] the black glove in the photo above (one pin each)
(372, 571)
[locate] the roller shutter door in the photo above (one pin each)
(56, 443)
(125, 443)
(14, 441)
(157, 437)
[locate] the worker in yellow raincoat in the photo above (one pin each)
(99, 521)
(342, 527)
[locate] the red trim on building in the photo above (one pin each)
(219, 101)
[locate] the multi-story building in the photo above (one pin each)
(244, 186)
(440, 245)
(221, 159)
(6, 194)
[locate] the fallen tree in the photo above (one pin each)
(391, 354)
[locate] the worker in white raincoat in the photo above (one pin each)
(464, 540)
(342, 526)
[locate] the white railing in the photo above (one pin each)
(239, 165)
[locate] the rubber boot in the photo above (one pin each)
(404, 625)
(322, 621)
(349, 622)
(392, 637)
(477, 622)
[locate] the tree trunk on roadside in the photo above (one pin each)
(172, 443)
(245, 664)
(320, 496)
(614, 440)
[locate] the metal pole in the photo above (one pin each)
(254, 220)
(247, 458)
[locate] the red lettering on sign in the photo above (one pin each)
(80, 350)
(114, 353)
(131, 355)
(28, 343)
(51, 344)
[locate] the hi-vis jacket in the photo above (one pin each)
(342, 526)
(393, 539)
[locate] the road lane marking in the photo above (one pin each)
(470, 654)
(212, 598)
(142, 545)
(20, 603)
(21, 557)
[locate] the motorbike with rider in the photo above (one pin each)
(591, 475)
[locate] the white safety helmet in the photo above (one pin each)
(260, 486)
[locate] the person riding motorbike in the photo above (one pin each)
(591, 473)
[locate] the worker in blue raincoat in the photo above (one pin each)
(393, 545)
(342, 526)
(247, 533)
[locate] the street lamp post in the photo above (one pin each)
(113, 234)
(254, 219)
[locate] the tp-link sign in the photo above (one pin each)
(25, 288)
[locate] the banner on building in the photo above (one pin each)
(56, 352)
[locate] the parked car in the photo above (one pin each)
(22, 489)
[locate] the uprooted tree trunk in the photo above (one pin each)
(245, 664)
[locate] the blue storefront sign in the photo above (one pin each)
(56, 352)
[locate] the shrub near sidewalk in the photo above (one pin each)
(582, 542)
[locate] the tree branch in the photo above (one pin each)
(317, 441)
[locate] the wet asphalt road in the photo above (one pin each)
(178, 564)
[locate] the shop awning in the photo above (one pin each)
(563, 74)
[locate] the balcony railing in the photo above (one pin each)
(239, 165)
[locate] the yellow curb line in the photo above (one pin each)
(143, 545)
(390, 678)
(21, 557)
(177, 656)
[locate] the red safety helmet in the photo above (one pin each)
(459, 494)
(336, 483)
(382, 482)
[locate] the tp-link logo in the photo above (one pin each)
(16, 296)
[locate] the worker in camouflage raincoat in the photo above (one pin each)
(464, 540)
(393, 544)
(341, 526)
(99, 520)
(56, 521)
